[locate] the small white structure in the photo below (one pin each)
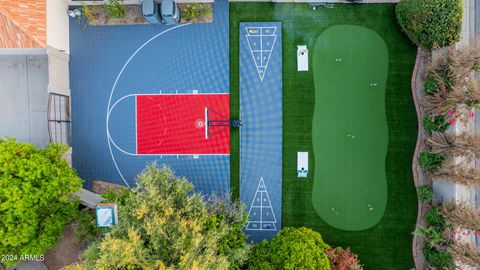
(302, 58)
(302, 164)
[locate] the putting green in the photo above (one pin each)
(350, 133)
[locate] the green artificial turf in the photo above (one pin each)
(350, 135)
(388, 245)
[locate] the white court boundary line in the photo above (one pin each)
(136, 126)
(113, 90)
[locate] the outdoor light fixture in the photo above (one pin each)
(74, 13)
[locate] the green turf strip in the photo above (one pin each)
(389, 244)
(350, 127)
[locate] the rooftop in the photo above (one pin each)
(23, 24)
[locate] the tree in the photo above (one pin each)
(464, 145)
(461, 215)
(431, 23)
(36, 197)
(458, 174)
(165, 225)
(291, 248)
(457, 90)
(465, 253)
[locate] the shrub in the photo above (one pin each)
(430, 161)
(36, 197)
(165, 225)
(431, 23)
(291, 248)
(195, 10)
(435, 123)
(343, 259)
(115, 9)
(431, 85)
(86, 229)
(438, 259)
(425, 193)
(434, 218)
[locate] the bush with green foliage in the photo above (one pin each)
(115, 9)
(435, 123)
(425, 193)
(291, 248)
(434, 218)
(164, 224)
(431, 23)
(438, 259)
(430, 161)
(86, 229)
(36, 197)
(191, 11)
(431, 85)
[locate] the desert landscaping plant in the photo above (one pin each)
(466, 145)
(343, 259)
(458, 92)
(36, 197)
(461, 215)
(465, 253)
(460, 173)
(194, 10)
(431, 23)
(115, 9)
(431, 85)
(430, 161)
(435, 123)
(425, 193)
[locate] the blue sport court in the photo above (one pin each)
(112, 66)
(261, 135)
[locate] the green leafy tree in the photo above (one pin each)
(163, 224)
(431, 23)
(291, 248)
(36, 197)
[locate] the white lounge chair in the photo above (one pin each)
(302, 58)
(302, 164)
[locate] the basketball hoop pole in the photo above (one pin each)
(206, 123)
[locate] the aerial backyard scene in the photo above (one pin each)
(242, 134)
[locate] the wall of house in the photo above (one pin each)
(58, 25)
(24, 98)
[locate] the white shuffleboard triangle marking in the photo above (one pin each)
(261, 42)
(261, 215)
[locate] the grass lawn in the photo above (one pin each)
(388, 245)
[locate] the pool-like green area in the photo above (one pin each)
(349, 130)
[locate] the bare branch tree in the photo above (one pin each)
(461, 215)
(465, 253)
(458, 174)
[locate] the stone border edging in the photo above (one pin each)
(419, 178)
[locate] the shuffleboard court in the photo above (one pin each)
(177, 124)
(350, 133)
(261, 134)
